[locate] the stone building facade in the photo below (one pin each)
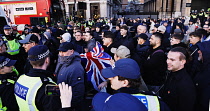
(94, 8)
(175, 8)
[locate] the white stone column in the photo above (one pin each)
(88, 11)
(76, 8)
(67, 10)
(177, 6)
(103, 8)
(66, 7)
(187, 9)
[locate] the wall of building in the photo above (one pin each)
(168, 8)
(105, 8)
(200, 4)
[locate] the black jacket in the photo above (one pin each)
(79, 46)
(178, 91)
(154, 68)
(194, 64)
(70, 71)
(108, 50)
(117, 35)
(27, 67)
(142, 50)
(181, 44)
(7, 92)
(97, 36)
(42, 101)
(202, 79)
(126, 41)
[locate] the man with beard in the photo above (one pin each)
(155, 66)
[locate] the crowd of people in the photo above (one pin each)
(144, 65)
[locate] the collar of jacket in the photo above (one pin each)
(128, 90)
(39, 73)
(153, 50)
(12, 76)
(146, 43)
(178, 74)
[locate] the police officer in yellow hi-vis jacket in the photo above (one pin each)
(30, 87)
(8, 76)
(124, 77)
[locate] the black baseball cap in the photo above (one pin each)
(65, 46)
(143, 36)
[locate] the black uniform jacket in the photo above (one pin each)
(42, 101)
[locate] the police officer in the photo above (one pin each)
(125, 78)
(206, 15)
(13, 46)
(7, 79)
(13, 51)
(30, 87)
(15, 33)
(89, 23)
(193, 17)
(201, 17)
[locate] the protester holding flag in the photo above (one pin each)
(95, 61)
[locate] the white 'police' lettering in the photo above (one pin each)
(143, 99)
(21, 91)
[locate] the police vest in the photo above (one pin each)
(26, 89)
(79, 24)
(206, 14)
(200, 14)
(151, 102)
(194, 16)
(17, 35)
(12, 46)
(90, 23)
(208, 9)
(1, 106)
(85, 25)
(106, 21)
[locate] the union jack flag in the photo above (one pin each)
(95, 61)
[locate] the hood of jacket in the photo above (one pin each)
(204, 48)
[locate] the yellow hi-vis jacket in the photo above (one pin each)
(26, 89)
(194, 16)
(13, 46)
(151, 102)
